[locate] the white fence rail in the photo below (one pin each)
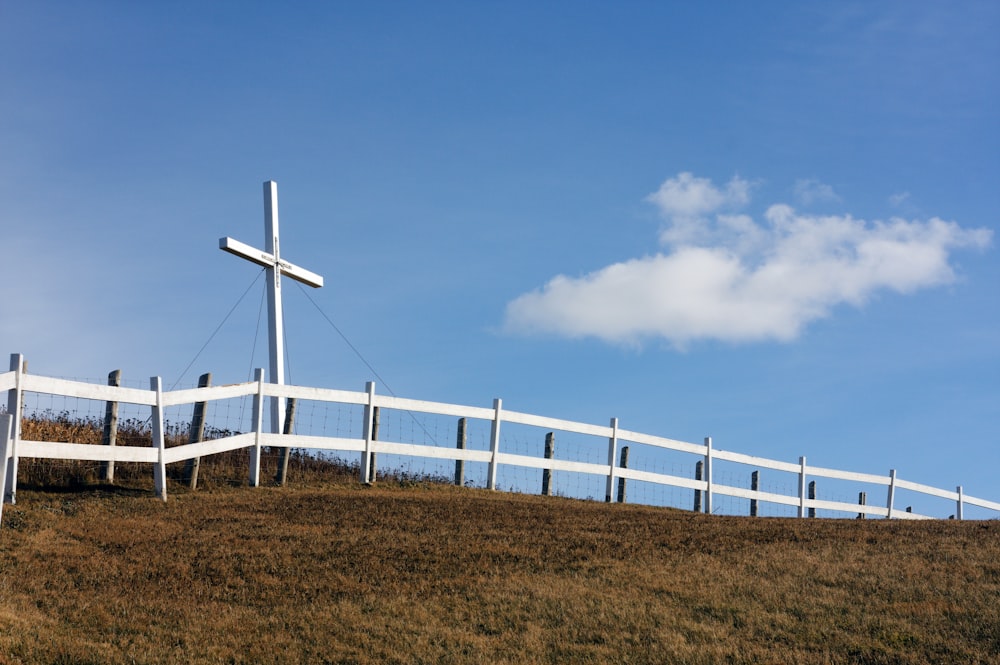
(13, 447)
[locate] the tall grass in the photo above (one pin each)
(224, 469)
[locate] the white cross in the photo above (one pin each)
(270, 258)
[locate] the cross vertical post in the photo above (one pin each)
(275, 314)
(275, 267)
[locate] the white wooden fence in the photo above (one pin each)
(13, 447)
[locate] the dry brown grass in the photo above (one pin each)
(331, 571)
(225, 469)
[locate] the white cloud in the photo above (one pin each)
(686, 200)
(688, 196)
(734, 279)
(810, 190)
(899, 199)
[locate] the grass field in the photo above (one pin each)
(421, 573)
(327, 570)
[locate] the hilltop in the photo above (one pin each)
(410, 572)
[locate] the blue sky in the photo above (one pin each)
(771, 223)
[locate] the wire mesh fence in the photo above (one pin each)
(428, 442)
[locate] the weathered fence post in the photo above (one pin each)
(110, 435)
(890, 500)
(491, 481)
(812, 497)
(802, 489)
(373, 457)
(159, 439)
(960, 511)
(699, 471)
(754, 485)
(550, 450)
(195, 435)
(258, 428)
(281, 476)
(708, 474)
(621, 481)
(367, 433)
(15, 396)
(612, 455)
(6, 434)
(460, 443)
(862, 500)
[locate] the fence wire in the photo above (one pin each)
(81, 420)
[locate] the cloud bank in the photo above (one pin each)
(726, 276)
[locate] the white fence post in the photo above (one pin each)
(961, 503)
(369, 433)
(258, 427)
(612, 454)
(14, 407)
(802, 487)
(890, 501)
(491, 482)
(708, 475)
(6, 432)
(159, 440)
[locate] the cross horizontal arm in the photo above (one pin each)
(300, 274)
(267, 260)
(247, 252)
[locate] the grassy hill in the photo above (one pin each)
(327, 570)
